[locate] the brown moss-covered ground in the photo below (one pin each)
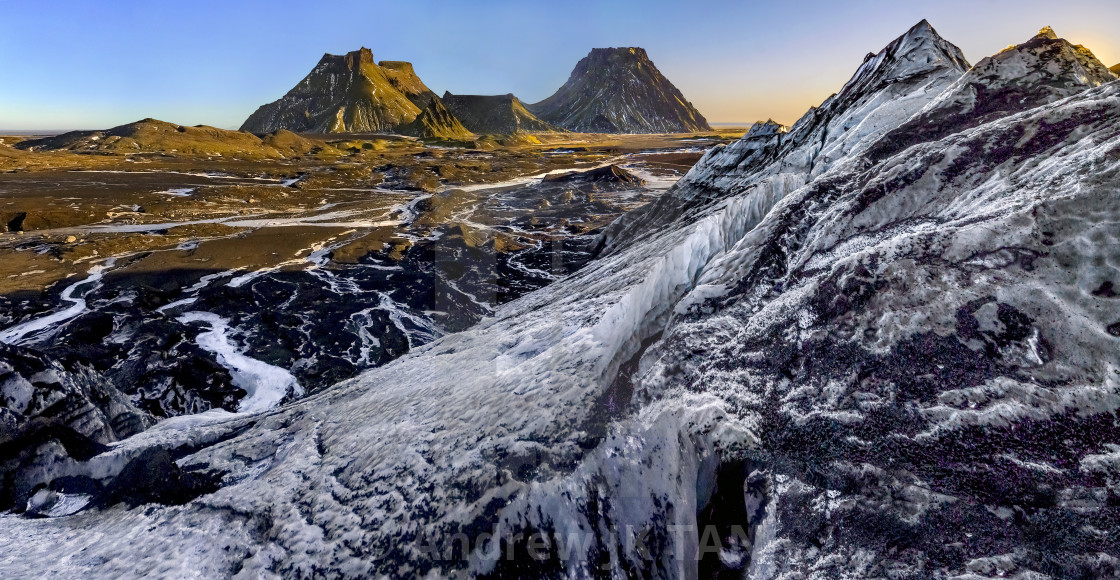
(160, 202)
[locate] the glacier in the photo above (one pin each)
(831, 350)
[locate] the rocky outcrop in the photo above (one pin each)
(51, 416)
(494, 114)
(610, 173)
(12, 221)
(619, 90)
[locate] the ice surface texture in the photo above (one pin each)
(906, 366)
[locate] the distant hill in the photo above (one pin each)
(353, 94)
(154, 136)
(1115, 70)
(619, 90)
(495, 114)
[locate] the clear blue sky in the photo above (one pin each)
(94, 64)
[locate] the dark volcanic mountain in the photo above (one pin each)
(609, 174)
(494, 114)
(619, 90)
(352, 93)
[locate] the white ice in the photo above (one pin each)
(40, 328)
(265, 384)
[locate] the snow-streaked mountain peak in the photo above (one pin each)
(918, 51)
(1044, 69)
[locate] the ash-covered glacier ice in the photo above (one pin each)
(824, 353)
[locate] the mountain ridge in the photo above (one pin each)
(887, 88)
(1043, 69)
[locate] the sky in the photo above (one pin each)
(71, 64)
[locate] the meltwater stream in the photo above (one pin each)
(265, 384)
(39, 328)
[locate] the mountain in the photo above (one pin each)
(494, 114)
(817, 357)
(348, 93)
(155, 136)
(619, 90)
(1115, 70)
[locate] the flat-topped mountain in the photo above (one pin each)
(619, 90)
(494, 114)
(352, 93)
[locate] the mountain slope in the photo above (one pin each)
(832, 366)
(494, 114)
(436, 122)
(1115, 70)
(619, 90)
(348, 93)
